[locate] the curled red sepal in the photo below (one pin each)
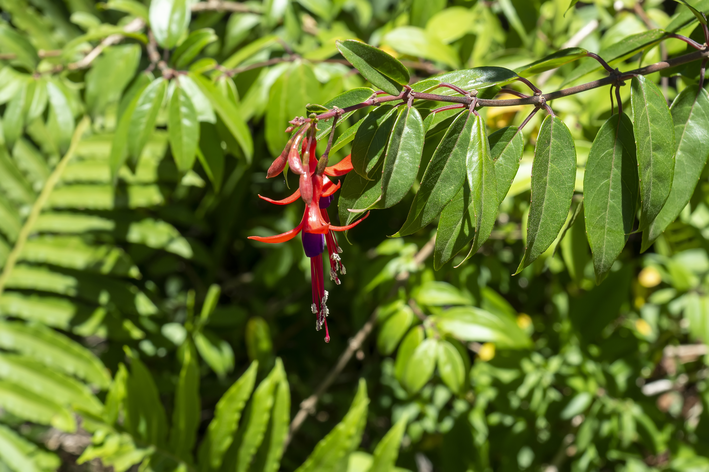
(329, 188)
(279, 163)
(294, 161)
(280, 238)
(341, 168)
(285, 201)
(350, 226)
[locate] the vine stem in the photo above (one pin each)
(308, 405)
(39, 204)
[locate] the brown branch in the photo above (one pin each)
(220, 6)
(132, 27)
(308, 405)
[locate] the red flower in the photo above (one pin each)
(316, 190)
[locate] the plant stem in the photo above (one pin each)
(52, 181)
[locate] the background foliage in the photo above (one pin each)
(141, 330)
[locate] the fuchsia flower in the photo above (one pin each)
(317, 191)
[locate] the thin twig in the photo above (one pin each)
(308, 405)
(132, 27)
(52, 181)
(219, 6)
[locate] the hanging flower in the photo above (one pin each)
(316, 190)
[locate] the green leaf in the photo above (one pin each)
(187, 411)
(684, 17)
(116, 395)
(481, 178)
(394, 328)
(450, 24)
(169, 20)
(387, 450)
(31, 407)
(403, 156)
(576, 406)
(192, 46)
(346, 137)
(109, 75)
(59, 107)
(418, 42)
(610, 192)
(456, 227)
(53, 350)
(376, 66)
(228, 113)
(655, 141)
(506, 149)
(344, 100)
(37, 89)
(690, 114)
(552, 61)
(330, 454)
(143, 118)
(216, 352)
(444, 175)
(12, 42)
(211, 155)
(271, 450)
(205, 112)
(553, 180)
(371, 140)
(618, 51)
(697, 14)
(359, 194)
(451, 366)
(227, 413)
(14, 118)
(132, 7)
(435, 293)
(478, 78)
(144, 413)
(294, 89)
(21, 455)
(412, 341)
(183, 129)
(574, 248)
(475, 324)
(420, 367)
(119, 148)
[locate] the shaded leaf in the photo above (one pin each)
(192, 46)
(552, 61)
(412, 340)
(183, 129)
(142, 121)
(394, 328)
(420, 367)
(403, 156)
(378, 67)
(186, 413)
(506, 149)
(371, 140)
(451, 366)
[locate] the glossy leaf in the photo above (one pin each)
(393, 329)
(403, 156)
(183, 129)
(227, 413)
(142, 121)
(169, 20)
(690, 114)
(685, 16)
(478, 78)
(59, 107)
(553, 179)
(610, 190)
(37, 89)
(655, 142)
(552, 61)
(697, 14)
(202, 105)
(371, 140)
(387, 450)
(435, 293)
(420, 367)
(456, 227)
(192, 46)
(119, 148)
(342, 101)
(378, 67)
(330, 454)
(481, 178)
(451, 366)
(444, 175)
(229, 114)
(14, 117)
(412, 340)
(506, 149)
(186, 413)
(475, 324)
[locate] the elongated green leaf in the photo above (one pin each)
(330, 454)
(690, 114)
(378, 67)
(12, 42)
(444, 175)
(14, 118)
(618, 51)
(655, 141)
(553, 179)
(481, 178)
(53, 350)
(552, 61)
(132, 7)
(697, 14)
(478, 78)
(475, 324)
(142, 121)
(451, 366)
(359, 194)
(393, 329)
(685, 16)
(506, 149)
(205, 112)
(183, 129)
(418, 42)
(169, 20)
(116, 395)
(110, 75)
(192, 46)
(412, 340)
(32, 407)
(186, 415)
(144, 413)
(344, 100)
(574, 248)
(20, 455)
(387, 450)
(227, 413)
(610, 192)
(229, 114)
(420, 366)
(403, 156)
(456, 227)
(211, 155)
(371, 140)
(269, 456)
(59, 107)
(37, 89)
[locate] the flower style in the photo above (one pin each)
(316, 190)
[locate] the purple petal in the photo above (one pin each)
(325, 201)
(314, 244)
